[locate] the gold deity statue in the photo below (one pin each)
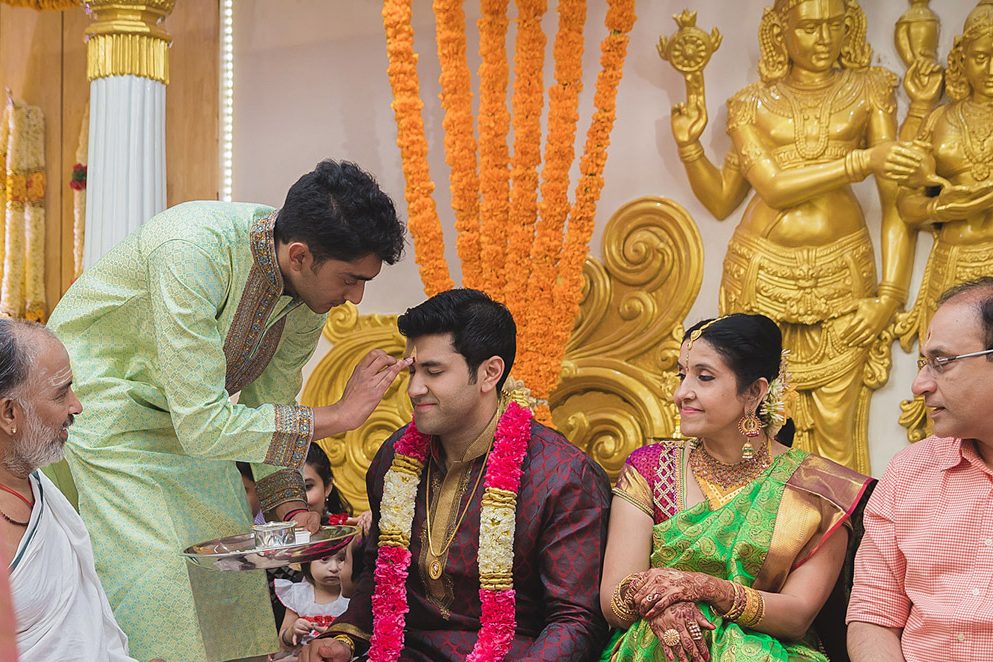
(820, 120)
(958, 204)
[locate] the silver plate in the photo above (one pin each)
(240, 553)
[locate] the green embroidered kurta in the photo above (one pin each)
(184, 313)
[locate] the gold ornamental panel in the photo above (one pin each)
(618, 375)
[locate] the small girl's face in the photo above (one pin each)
(317, 491)
(327, 571)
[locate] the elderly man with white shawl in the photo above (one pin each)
(60, 607)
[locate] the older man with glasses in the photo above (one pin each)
(924, 573)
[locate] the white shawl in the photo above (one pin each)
(62, 611)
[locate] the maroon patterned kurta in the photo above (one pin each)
(558, 552)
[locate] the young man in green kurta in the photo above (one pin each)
(207, 300)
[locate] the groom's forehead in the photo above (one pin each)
(435, 348)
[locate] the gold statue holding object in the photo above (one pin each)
(820, 119)
(956, 202)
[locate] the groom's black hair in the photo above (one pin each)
(340, 212)
(480, 327)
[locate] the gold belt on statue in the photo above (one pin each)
(800, 285)
(951, 264)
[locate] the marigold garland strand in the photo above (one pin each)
(460, 141)
(563, 115)
(423, 221)
(530, 254)
(526, 106)
(568, 289)
(494, 156)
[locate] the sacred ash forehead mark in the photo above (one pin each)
(61, 378)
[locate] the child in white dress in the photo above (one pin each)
(313, 604)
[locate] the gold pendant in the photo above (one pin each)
(434, 569)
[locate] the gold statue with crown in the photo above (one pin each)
(820, 120)
(955, 197)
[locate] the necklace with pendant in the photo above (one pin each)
(721, 482)
(976, 121)
(435, 568)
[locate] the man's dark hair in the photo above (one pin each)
(980, 291)
(340, 212)
(481, 327)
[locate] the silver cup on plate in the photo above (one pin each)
(274, 534)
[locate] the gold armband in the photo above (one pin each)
(895, 292)
(691, 152)
(857, 165)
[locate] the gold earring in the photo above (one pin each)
(13, 431)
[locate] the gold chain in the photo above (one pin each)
(811, 107)
(974, 120)
(720, 482)
(465, 511)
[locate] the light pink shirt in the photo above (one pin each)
(926, 561)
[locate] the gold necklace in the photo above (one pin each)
(811, 106)
(721, 482)
(976, 122)
(434, 567)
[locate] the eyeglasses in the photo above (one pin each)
(937, 363)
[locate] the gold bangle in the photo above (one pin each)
(895, 292)
(344, 638)
(857, 165)
(738, 604)
(754, 608)
(620, 605)
(691, 152)
(919, 109)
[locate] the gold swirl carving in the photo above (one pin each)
(128, 39)
(617, 377)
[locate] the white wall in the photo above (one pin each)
(310, 82)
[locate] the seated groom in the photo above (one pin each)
(924, 572)
(525, 584)
(60, 607)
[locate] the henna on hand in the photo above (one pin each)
(679, 617)
(665, 587)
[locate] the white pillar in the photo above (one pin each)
(125, 175)
(127, 64)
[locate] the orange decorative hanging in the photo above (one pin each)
(460, 141)
(423, 221)
(528, 100)
(568, 288)
(563, 115)
(494, 156)
(528, 254)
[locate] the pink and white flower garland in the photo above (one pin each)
(501, 484)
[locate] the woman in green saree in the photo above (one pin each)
(725, 546)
